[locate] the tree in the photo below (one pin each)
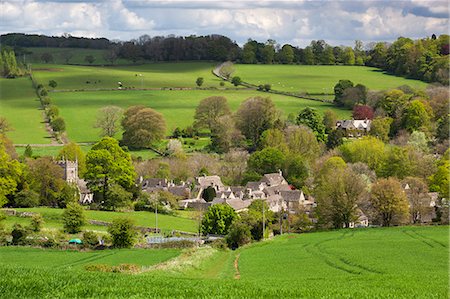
(335, 139)
(209, 194)
(287, 54)
(238, 235)
(397, 162)
(348, 56)
(362, 112)
(354, 95)
(268, 160)
(225, 136)
(26, 199)
(47, 180)
(28, 151)
(108, 120)
(439, 181)
(311, 118)
(368, 150)
(117, 197)
(236, 80)
(122, 232)
(73, 218)
(254, 116)
(296, 170)
(90, 238)
(58, 124)
(66, 55)
(338, 196)
(52, 84)
(418, 140)
(218, 219)
(5, 126)
(89, 59)
(209, 110)
(389, 201)
(329, 120)
(415, 116)
(199, 81)
(52, 112)
(417, 194)
(339, 89)
(380, 128)
(142, 126)
(19, 234)
(72, 152)
(301, 140)
(106, 164)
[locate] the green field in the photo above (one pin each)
(53, 219)
(400, 262)
(20, 105)
(319, 78)
(177, 106)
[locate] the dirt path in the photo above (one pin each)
(237, 275)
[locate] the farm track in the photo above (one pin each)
(237, 275)
(95, 257)
(336, 261)
(424, 239)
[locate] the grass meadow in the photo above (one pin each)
(21, 107)
(399, 262)
(319, 78)
(53, 219)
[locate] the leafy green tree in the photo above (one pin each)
(397, 163)
(218, 219)
(301, 140)
(249, 52)
(308, 56)
(415, 116)
(238, 235)
(268, 160)
(369, 150)
(46, 57)
(348, 56)
(58, 124)
(439, 181)
(199, 81)
(209, 111)
(393, 102)
(329, 120)
(73, 218)
(5, 126)
(122, 232)
(106, 164)
(72, 152)
(254, 116)
(274, 138)
(117, 197)
(311, 118)
(47, 180)
(417, 195)
(142, 126)
(69, 194)
(380, 128)
(89, 59)
(339, 89)
(52, 84)
(389, 201)
(236, 80)
(296, 170)
(90, 238)
(335, 139)
(51, 111)
(108, 120)
(287, 54)
(418, 140)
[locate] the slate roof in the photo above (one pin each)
(352, 124)
(273, 179)
(292, 195)
(212, 180)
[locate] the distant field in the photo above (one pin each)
(319, 78)
(147, 219)
(400, 262)
(20, 106)
(177, 107)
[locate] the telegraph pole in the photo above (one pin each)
(264, 222)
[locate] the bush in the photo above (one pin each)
(90, 238)
(52, 83)
(26, 199)
(236, 80)
(50, 243)
(43, 92)
(73, 218)
(36, 223)
(122, 233)
(217, 219)
(19, 234)
(239, 235)
(58, 124)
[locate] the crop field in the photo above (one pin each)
(21, 107)
(319, 78)
(53, 219)
(399, 262)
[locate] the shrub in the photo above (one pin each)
(26, 199)
(90, 238)
(50, 243)
(36, 223)
(43, 92)
(217, 219)
(239, 235)
(236, 80)
(73, 218)
(52, 83)
(122, 233)
(19, 234)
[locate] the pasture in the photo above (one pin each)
(21, 107)
(53, 219)
(399, 262)
(319, 78)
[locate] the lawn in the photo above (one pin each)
(53, 219)
(319, 78)
(21, 107)
(177, 106)
(400, 262)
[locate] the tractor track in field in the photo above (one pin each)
(424, 239)
(95, 257)
(336, 261)
(237, 274)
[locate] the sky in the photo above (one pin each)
(294, 22)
